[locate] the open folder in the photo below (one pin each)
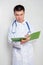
(33, 36)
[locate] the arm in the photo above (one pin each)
(27, 35)
(12, 35)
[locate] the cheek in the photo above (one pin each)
(22, 17)
(16, 17)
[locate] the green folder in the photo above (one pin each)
(33, 36)
(17, 39)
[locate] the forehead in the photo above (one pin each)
(19, 12)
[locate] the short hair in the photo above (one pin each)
(19, 8)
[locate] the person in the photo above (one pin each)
(22, 51)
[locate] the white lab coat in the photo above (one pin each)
(22, 54)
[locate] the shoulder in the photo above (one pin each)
(11, 24)
(28, 22)
(30, 25)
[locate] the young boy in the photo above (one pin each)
(22, 51)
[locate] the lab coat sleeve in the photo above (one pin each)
(32, 30)
(10, 34)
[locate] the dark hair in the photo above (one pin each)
(19, 8)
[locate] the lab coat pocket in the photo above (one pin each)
(16, 44)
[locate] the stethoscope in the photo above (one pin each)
(16, 26)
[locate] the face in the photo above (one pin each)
(19, 15)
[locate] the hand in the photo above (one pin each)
(26, 40)
(23, 41)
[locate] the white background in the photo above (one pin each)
(34, 13)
